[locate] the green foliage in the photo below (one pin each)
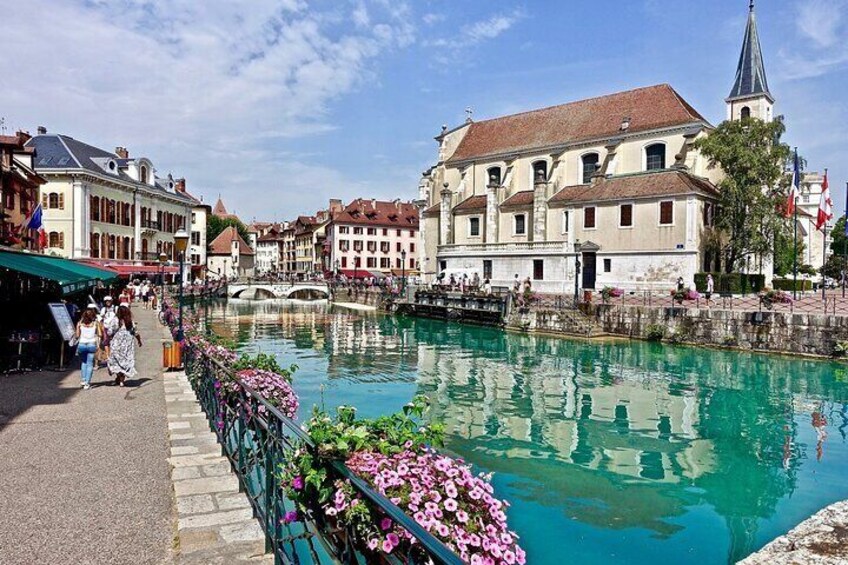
(679, 335)
(215, 225)
(784, 254)
(263, 362)
(655, 332)
(833, 267)
(731, 283)
(787, 284)
(729, 341)
(753, 159)
(840, 348)
(838, 245)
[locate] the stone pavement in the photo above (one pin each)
(215, 520)
(84, 474)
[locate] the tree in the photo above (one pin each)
(753, 191)
(215, 225)
(784, 255)
(837, 246)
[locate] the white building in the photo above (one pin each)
(816, 246)
(230, 256)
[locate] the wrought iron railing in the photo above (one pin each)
(256, 438)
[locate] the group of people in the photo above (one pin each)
(107, 333)
(463, 283)
(141, 291)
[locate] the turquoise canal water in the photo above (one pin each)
(614, 452)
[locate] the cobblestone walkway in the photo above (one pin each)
(215, 520)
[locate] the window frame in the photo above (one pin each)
(660, 214)
(471, 233)
(538, 269)
(664, 156)
(582, 167)
(594, 225)
(620, 215)
(515, 223)
(566, 221)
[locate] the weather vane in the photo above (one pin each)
(468, 112)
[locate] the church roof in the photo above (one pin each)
(221, 211)
(653, 184)
(751, 72)
(223, 244)
(644, 109)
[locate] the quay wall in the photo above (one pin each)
(805, 334)
(357, 296)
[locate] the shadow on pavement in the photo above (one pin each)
(20, 392)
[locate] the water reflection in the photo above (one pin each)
(627, 451)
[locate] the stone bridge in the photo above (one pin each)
(257, 290)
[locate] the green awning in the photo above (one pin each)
(71, 276)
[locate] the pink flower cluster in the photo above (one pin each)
(443, 496)
(274, 388)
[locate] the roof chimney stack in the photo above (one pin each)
(42, 130)
(23, 136)
(122, 152)
(179, 185)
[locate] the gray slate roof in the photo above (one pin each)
(751, 72)
(57, 151)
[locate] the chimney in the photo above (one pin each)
(122, 152)
(23, 136)
(179, 185)
(42, 130)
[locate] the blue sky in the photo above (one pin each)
(279, 105)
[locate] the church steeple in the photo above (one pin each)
(750, 94)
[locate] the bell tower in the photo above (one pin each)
(750, 96)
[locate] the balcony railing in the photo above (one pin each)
(507, 248)
(256, 438)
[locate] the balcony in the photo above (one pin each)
(518, 248)
(149, 227)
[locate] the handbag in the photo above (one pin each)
(73, 341)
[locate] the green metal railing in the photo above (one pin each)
(256, 437)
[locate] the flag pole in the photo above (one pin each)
(845, 244)
(795, 179)
(824, 251)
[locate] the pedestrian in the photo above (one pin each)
(710, 287)
(680, 284)
(516, 284)
(88, 335)
(122, 351)
(109, 325)
(487, 287)
(145, 294)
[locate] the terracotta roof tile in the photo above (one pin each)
(648, 108)
(642, 185)
(222, 245)
(471, 203)
(523, 198)
(434, 209)
(394, 214)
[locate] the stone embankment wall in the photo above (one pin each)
(809, 334)
(356, 296)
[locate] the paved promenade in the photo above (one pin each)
(84, 475)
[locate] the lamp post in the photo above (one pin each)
(355, 266)
(577, 272)
(180, 244)
(163, 258)
(337, 268)
(403, 270)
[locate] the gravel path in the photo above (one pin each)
(84, 476)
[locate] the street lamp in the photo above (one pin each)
(163, 258)
(355, 265)
(403, 270)
(180, 244)
(577, 272)
(337, 268)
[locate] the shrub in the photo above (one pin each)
(611, 292)
(840, 349)
(729, 341)
(788, 284)
(655, 332)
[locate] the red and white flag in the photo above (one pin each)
(825, 205)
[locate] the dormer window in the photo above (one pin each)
(589, 164)
(143, 174)
(494, 175)
(112, 166)
(540, 169)
(655, 157)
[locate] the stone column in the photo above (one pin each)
(445, 224)
(492, 211)
(137, 226)
(79, 220)
(540, 207)
(421, 204)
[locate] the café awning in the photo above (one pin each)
(71, 276)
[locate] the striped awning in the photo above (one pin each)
(71, 276)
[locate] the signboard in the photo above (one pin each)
(63, 320)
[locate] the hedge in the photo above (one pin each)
(787, 284)
(731, 283)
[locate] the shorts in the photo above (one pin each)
(145, 298)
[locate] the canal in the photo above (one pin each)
(626, 452)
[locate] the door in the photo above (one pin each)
(589, 270)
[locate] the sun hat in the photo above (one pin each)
(107, 298)
(92, 305)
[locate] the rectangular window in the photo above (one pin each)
(372, 246)
(371, 262)
(443, 265)
(538, 269)
(357, 231)
(520, 224)
(344, 245)
(412, 248)
(474, 227)
(487, 269)
(193, 218)
(195, 238)
(411, 233)
(399, 233)
(357, 245)
(398, 263)
(398, 247)
(372, 231)
(384, 263)
(666, 213)
(625, 219)
(607, 265)
(565, 221)
(343, 229)
(385, 231)
(344, 262)
(384, 246)
(411, 263)
(589, 218)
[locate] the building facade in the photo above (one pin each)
(607, 191)
(230, 256)
(374, 237)
(269, 248)
(100, 204)
(817, 244)
(19, 189)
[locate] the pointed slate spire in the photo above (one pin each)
(751, 72)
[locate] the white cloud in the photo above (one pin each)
(204, 89)
(821, 20)
(433, 18)
(475, 33)
(821, 25)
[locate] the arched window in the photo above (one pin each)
(54, 239)
(540, 167)
(493, 174)
(95, 246)
(143, 174)
(112, 247)
(589, 165)
(655, 157)
(746, 112)
(53, 200)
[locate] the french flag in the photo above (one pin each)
(796, 187)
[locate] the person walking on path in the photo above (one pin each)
(88, 336)
(122, 351)
(710, 288)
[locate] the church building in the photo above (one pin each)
(611, 186)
